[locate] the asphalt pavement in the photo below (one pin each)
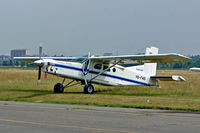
(19, 117)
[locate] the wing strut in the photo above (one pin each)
(104, 70)
(86, 67)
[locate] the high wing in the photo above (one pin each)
(160, 58)
(153, 58)
(32, 59)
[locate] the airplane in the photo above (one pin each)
(194, 69)
(106, 70)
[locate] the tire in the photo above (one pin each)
(89, 89)
(58, 88)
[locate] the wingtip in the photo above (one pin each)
(178, 78)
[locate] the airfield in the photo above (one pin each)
(20, 84)
(173, 108)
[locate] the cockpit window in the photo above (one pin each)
(98, 66)
(105, 67)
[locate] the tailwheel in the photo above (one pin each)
(58, 88)
(89, 89)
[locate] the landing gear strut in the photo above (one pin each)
(59, 87)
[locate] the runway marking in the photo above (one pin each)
(123, 113)
(66, 126)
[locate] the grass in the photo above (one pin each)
(20, 85)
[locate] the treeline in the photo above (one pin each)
(14, 63)
(194, 62)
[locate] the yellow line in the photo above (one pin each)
(66, 126)
(128, 113)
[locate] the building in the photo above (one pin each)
(4, 58)
(19, 52)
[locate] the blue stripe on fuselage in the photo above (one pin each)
(69, 67)
(103, 74)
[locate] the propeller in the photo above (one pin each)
(39, 74)
(40, 67)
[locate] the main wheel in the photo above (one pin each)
(58, 88)
(89, 89)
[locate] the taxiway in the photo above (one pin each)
(18, 117)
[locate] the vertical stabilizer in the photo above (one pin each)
(150, 68)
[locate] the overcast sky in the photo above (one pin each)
(76, 27)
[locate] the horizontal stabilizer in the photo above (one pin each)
(167, 78)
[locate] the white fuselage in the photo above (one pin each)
(115, 76)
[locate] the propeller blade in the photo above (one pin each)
(40, 67)
(40, 52)
(39, 74)
(40, 55)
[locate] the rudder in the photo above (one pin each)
(150, 68)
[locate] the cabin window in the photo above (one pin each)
(114, 69)
(105, 67)
(98, 66)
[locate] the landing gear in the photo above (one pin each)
(58, 88)
(89, 89)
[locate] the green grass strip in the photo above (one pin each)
(102, 104)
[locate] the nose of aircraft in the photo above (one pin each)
(39, 62)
